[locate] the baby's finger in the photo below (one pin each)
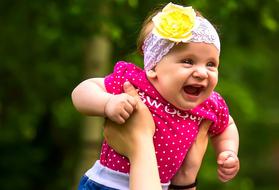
(230, 162)
(133, 101)
(224, 178)
(130, 105)
(221, 158)
(124, 115)
(228, 171)
(118, 119)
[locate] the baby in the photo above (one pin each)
(181, 58)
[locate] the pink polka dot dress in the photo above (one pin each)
(176, 129)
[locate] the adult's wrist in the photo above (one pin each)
(190, 186)
(182, 178)
(142, 145)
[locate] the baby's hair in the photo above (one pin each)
(147, 27)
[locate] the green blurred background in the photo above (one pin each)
(48, 47)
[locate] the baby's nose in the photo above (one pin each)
(200, 72)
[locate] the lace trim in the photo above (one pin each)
(154, 49)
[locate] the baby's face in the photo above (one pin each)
(187, 75)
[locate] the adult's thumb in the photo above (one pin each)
(130, 89)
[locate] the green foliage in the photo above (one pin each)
(42, 50)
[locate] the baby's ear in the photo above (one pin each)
(151, 74)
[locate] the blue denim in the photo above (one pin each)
(88, 184)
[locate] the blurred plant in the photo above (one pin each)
(42, 55)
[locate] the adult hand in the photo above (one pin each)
(134, 139)
(138, 129)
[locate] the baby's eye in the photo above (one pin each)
(188, 61)
(211, 64)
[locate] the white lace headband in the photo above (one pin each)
(173, 25)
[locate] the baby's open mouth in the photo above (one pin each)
(193, 90)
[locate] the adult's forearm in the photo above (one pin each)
(188, 172)
(144, 171)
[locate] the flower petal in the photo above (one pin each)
(174, 23)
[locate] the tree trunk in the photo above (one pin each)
(98, 56)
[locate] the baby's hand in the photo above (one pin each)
(228, 165)
(119, 107)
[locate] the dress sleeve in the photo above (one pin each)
(114, 81)
(221, 111)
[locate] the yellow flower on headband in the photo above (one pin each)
(174, 23)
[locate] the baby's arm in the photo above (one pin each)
(91, 98)
(226, 148)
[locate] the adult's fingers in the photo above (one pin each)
(131, 90)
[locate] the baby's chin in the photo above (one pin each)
(193, 104)
(187, 106)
